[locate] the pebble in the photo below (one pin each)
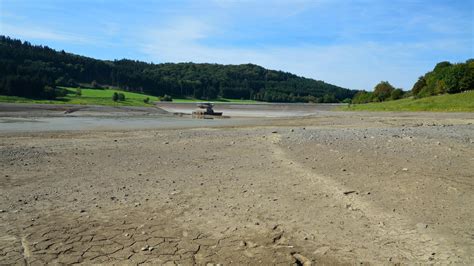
(421, 226)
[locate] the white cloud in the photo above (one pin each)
(36, 32)
(355, 66)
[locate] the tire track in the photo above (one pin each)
(396, 232)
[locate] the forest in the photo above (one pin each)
(36, 71)
(444, 78)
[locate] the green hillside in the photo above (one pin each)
(34, 71)
(460, 102)
(104, 97)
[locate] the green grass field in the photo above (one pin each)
(460, 102)
(104, 97)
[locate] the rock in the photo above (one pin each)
(349, 192)
(166, 142)
(421, 226)
(302, 260)
(404, 169)
(274, 132)
(1, 211)
(251, 244)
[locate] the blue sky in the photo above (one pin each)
(353, 44)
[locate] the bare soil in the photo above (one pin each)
(339, 188)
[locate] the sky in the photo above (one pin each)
(350, 43)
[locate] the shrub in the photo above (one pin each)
(121, 97)
(166, 98)
(396, 94)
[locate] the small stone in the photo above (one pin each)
(421, 226)
(1, 211)
(405, 169)
(302, 260)
(166, 142)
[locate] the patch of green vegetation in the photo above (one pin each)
(460, 102)
(219, 100)
(105, 97)
(89, 97)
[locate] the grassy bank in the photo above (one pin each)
(461, 102)
(104, 97)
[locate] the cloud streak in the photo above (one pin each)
(356, 66)
(41, 33)
(353, 44)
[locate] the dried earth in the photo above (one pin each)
(343, 188)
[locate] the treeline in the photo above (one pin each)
(36, 71)
(445, 78)
(384, 91)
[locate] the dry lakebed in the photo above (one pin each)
(115, 186)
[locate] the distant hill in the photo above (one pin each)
(36, 71)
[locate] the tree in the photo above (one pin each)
(362, 97)
(166, 98)
(383, 91)
(25, 69)
(419, 85)
(78, 92)
(329, 98)
(121, 97)
(115, 97)
(146, 100)
(396, 94)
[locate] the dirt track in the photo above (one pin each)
(339, 188)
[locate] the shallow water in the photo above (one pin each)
(254, 110)
(45, 124)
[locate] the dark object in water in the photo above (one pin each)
(205, 109)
